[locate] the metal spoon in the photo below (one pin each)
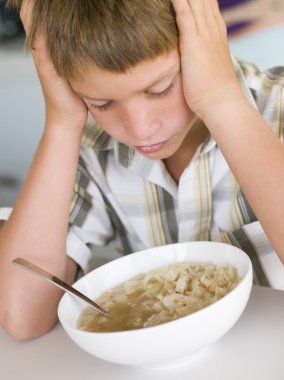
(25, 264)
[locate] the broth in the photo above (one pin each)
(160, 296)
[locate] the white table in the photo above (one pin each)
(252, 350)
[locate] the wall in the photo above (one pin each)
(21, 119)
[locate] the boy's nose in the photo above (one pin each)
(140, 125)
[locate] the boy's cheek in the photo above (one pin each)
(110, 124)
(101, 117)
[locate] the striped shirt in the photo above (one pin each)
(128, 202)
(131, 202)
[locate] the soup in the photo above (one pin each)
(160, 296)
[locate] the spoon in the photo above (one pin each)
(25, 264)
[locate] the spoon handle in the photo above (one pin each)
(25, 264)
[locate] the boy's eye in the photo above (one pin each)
(101, 107)
(162, 93)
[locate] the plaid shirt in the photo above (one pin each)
(126, 201)
(131, 202)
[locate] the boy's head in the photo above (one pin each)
(114, 34)
(121, 58)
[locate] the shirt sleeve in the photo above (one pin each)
(5, 213)
(267, 89)
(265, 254)
(89, 222)
(251, 238)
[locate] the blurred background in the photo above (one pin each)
(255, 30)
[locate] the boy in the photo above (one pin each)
(180, 151)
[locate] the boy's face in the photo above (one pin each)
(143, 108)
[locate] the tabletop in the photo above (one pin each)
(252, 349)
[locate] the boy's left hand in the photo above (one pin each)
(209, 80)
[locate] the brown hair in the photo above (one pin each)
(114, 34)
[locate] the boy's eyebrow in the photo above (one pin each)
(159, 79)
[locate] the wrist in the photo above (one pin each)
(63, 133)
(219, 108)
(65, 120)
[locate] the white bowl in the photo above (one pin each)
(171, 344)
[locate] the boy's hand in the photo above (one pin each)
(209, 80)
(63, 107)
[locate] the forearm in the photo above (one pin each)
(256, 158)
(37, 231)
(212, 91)
(37, 227)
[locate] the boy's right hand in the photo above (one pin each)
(64, 109)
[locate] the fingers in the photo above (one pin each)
(26, 14)
(34, 40)
(185, 19)
(216, 9)
(214, 16)
(200, 12)
(197, 16)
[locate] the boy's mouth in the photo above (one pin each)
(151, 148)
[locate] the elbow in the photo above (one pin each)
(20, 329)
(24, 334)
